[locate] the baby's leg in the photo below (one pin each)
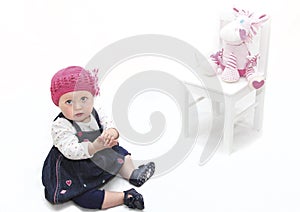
(127, 168)
(100, 199)
(92, 199)
(137, 176)
(112, 199)
(131, 198)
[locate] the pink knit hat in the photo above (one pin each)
(73, 78)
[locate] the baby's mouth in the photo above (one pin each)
(78, 114)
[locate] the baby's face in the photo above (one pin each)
(77, 105)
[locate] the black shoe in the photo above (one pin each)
(142, 174)
(133, 199)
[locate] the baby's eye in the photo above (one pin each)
(242, 21)
(84, 99)
(69, 102)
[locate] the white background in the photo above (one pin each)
(38, 37)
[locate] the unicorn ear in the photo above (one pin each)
(263, 18)
(257, 23)
(236, 11)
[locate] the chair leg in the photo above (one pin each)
(228, 126)
(259, 110)
(216, 108)
(186, 114)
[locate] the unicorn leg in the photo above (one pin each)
(230, 73)
(216, 61)
(255, 81)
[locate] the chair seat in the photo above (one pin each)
(226, 88)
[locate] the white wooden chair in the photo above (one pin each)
(228, 97)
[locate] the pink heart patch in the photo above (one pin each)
(257, 84)
(120, 161)
(69, 182)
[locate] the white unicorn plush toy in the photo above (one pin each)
(234, 60)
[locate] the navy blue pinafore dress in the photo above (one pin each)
(65, 179)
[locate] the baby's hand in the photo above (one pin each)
(110, 136)
(96, 146)
(100, 143)
(107, 139)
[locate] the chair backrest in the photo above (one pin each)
(264, 40)
(258, 45)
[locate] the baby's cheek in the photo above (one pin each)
(68, 114)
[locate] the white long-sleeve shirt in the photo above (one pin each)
(64, 138)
